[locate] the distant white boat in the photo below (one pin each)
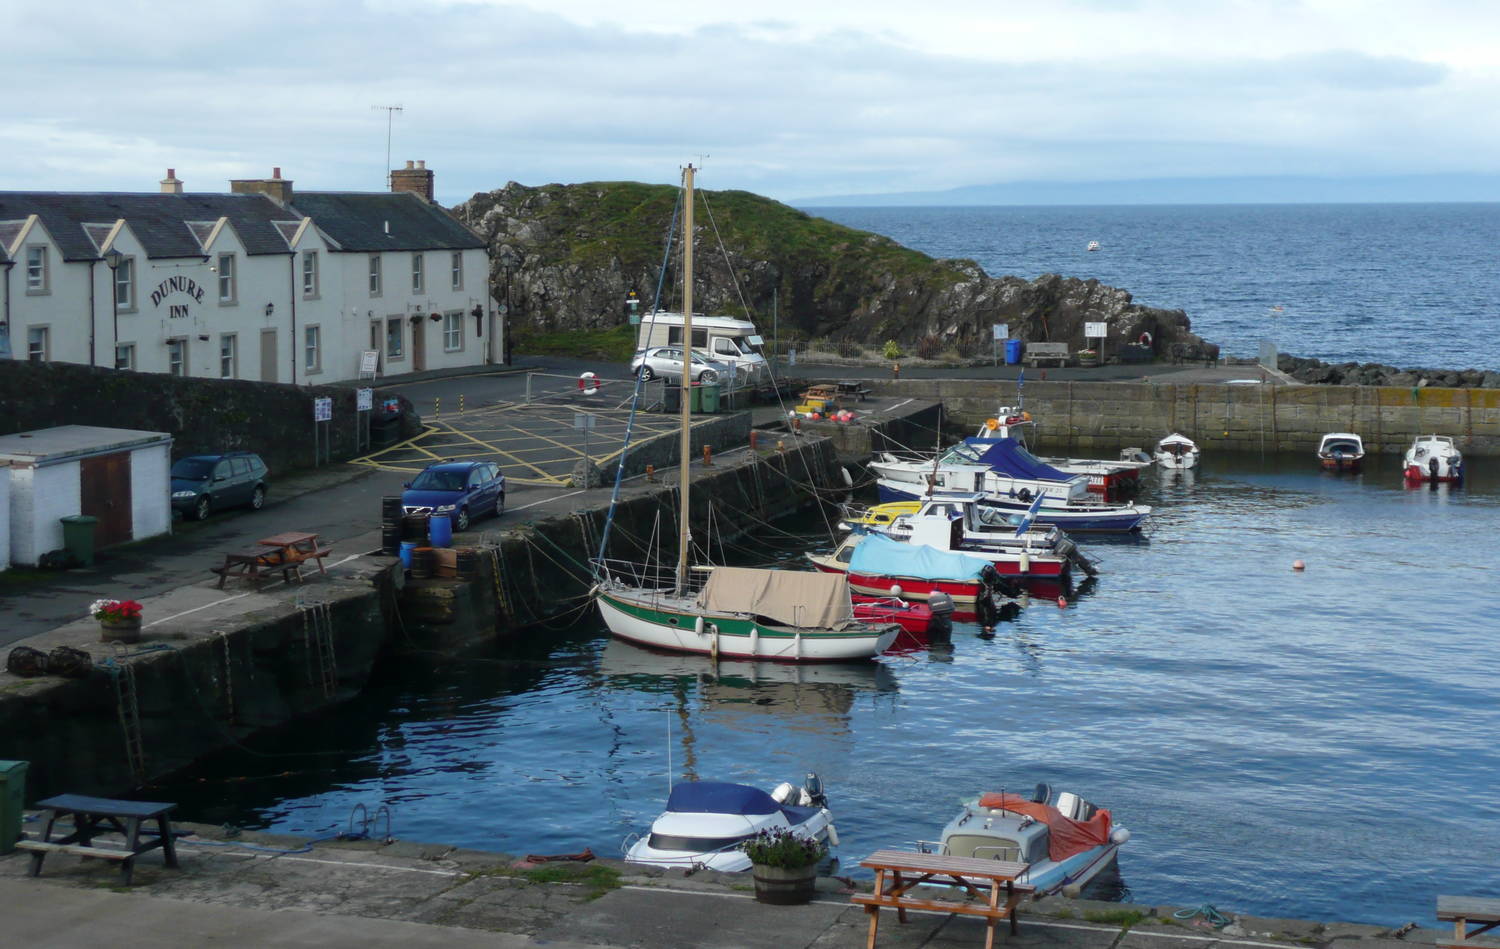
(1093, 245)
(1176, 451)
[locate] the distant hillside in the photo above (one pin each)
(582, 248)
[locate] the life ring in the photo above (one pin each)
(1145, 339)
(588, 383)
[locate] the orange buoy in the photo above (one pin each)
(1298, 565)
(1062, 602)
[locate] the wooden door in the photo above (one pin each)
(267, 355)
(105, 494)
(419, 345)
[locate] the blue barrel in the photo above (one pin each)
(1013, 351)
(407, 546)
(440, 530)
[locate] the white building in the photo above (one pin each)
(261, 283)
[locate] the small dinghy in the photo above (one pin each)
(706, 821)
(1064, 843)
(1341, 451)
(1433, 458)
(1176, 451)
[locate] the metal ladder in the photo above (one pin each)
(317, 633)
(129, 711)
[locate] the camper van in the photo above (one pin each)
(720, 338)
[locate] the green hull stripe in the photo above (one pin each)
(728, 626)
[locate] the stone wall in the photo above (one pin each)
(1102, 417)
(202, 415)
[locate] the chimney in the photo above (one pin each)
(276, 188)
(415, 177)
(170, 184)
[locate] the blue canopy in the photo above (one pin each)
(1009, 457)
(880, 555)
(719, 797)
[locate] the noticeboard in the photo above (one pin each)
(364, 399)
(1096, 330)
(1001, 331)
(369, 360)
(322, 410)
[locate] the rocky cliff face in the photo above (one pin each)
(568, 256)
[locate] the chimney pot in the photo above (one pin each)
(171, 172)
(421, 163)
(276, 172)
(410, 163)
(170, 184)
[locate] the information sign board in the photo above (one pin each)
(1096, 330)
(322, 410)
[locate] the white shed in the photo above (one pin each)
(120, 476)
(4, 515)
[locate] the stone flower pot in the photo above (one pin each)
(782, 886)
(120, 631)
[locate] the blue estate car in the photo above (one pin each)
(464, 490)
(202, 484)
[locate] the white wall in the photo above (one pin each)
(4, 518)
(39, 498)
(150, 491)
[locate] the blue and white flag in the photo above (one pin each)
(1030, 516)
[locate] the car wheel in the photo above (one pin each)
(647, 374)
(201, 509)
(461, 519)
(500, 504)
(708, 376)
(258, 497)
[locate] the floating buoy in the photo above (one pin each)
(1062, 602)
(895, 589)
(1298, 565)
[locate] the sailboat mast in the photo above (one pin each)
(683, 534)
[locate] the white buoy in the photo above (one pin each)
(895, 589)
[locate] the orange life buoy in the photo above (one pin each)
(1145, 339)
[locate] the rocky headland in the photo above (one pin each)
(1317, 372)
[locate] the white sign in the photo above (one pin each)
(364, 399)
(322, 410)
(369, 360)
(1096, 330)
(1002, 332)
(582, 421)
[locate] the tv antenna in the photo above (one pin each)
(390, 118)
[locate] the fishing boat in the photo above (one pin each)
(1084, 515)
(706, 822)
(875, 565)
(1064, 843)
(1176, 451)
(1433, 458)
(1001, 467)
(738, 612)
(1341, 451)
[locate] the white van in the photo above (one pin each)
(721, 338)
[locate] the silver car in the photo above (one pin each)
(665, 362)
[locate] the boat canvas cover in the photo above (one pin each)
(791, 597)
(1065, 836)
(719, 797)
(879, 555)
(1008, 456)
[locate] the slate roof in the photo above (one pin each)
(357, 221)
(157, 220)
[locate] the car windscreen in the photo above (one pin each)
(448, 480)
(193, 469)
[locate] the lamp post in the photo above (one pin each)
(114, 259)
(509, 261)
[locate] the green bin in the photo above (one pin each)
(695, 400)
(12, 803)
(710, 396)
(78, 537)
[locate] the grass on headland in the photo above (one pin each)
(1124, 918)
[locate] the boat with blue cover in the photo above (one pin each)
(706, 822)
(1080, 516)
(994, 466)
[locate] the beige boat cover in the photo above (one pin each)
(789, 597)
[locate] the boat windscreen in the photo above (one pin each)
(719, 797)
(693, 844)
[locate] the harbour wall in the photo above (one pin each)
(1106, 416)
(195, 687)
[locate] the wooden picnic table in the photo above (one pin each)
(297, 547)
(95, 815)
(898, 871)
(284, 552)
(1466, 911)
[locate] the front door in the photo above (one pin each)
(419, 345)
(105, 493)
(267, 355)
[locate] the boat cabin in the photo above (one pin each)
(988, 834)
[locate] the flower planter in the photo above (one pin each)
(782, 886)
(120, 631)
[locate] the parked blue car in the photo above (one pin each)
(464, 490)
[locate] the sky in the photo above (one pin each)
(784, 98)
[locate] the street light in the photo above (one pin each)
(114, 259)
(509, 261)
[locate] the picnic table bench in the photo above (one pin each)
(95, 815)
(1466, 911)
(1036, 353)
(898, 871)
(286, 552)
(854, 388)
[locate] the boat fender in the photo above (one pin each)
(1025, 562)
(833, 835)
(1145, 339)
(895, 589)
(1023, 495)
(698, 626)
(848, 478)
(1119, 835)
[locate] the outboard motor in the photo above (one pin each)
(812, 792)
(1042, 793)
(1432, 467)
(941, 605)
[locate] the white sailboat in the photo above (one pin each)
(737, 612)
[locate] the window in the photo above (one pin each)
(37, 277)
(309, 273)
(394, 335)
(453, 331)
(374, 275)
(226, 278)
(241, 466)
(229, 353)
(312, 348)
(125, 284)
(458, 270)
(177, 357)
(38, 343)
(416, 273)
(222, 470)
(125, 355)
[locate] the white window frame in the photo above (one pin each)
(228, 280)
(38, 270)
(310, 275)
(400, 351)
(458, 270)
(375, 276)
(178, 345)
(453, 331)
(312, 348)
(418, 273)
(124, 302)
(42, 333)
(229, 356)
(128, 350)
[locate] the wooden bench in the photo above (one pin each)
(1037, 353)
(898, 871)
(96, 815)
(1466, 911)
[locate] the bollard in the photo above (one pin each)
(895, 370)
(460, 403)
(780, 445)
(708, 456)
(797, 423)
(437, 406)
(651, 473)
(753, 433)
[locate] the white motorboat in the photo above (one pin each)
(1176, 451)
(706, 822)
(1064, 843)
(1093, 245)
(1433, 458)
(1341, 451)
